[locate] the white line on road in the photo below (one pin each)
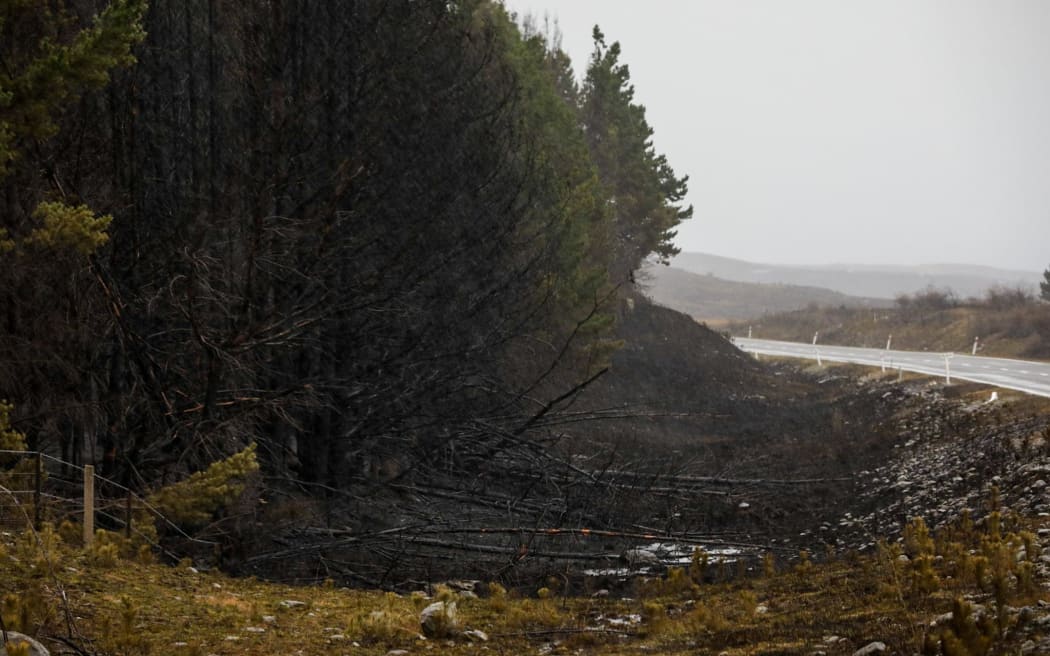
(925, 363)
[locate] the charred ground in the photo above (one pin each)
(684, 440)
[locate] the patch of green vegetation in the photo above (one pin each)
(976, 573)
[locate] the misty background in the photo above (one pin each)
(816, 131)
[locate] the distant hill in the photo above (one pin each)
(711, 298)
(873, 281)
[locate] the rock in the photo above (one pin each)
(463, 585)
(16, 639)
(601, 594)
(397, 652)
(640, 557)
(269, 619)
(438, 620)
(291, 603)
(1041, 622)
(476, 635)
(873, 648)
(941, 619)
(254, 629)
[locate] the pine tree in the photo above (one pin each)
(641, 188)
(48, 64)
(193, 501)
(52, 59)
(1044, 286)
(46, 67)
(10, 439)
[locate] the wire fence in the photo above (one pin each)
(36, 488)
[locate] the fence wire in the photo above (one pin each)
(36, 488)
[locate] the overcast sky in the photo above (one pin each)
(857, 131)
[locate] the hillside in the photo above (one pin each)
(788, 566)
(712, 299)
(680, 434)
(678, 401)
(862, 280)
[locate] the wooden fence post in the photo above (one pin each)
(89, 505)
(127, 516)
(37, 483)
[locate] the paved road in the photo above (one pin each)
(1022, 375)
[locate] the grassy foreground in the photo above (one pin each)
(984, 575)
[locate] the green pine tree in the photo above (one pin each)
(194, 500)
(46, 66)
(641, 188)
(48, 63)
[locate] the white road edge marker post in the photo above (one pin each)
(749, 332)
(948, 368)
(975, 339)
(889, 340)
(817, 350)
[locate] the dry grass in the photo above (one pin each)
(1021, 331)
(835, 607)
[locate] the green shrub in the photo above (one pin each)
(194, 501)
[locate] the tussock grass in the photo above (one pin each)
(977, 572)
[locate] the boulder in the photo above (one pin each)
(871, 649)
(476, 635)
(640, 558)
(15, 638)
(438, 620)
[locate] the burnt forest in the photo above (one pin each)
(339, 307)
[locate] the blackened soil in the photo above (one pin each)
(685, 438)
